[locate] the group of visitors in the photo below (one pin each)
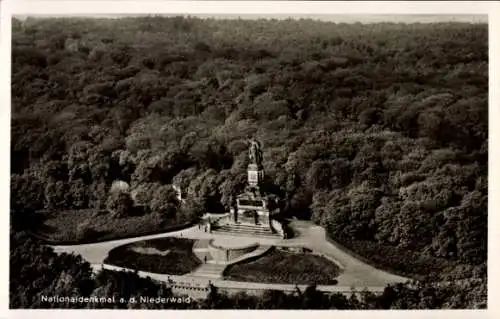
(206, 227)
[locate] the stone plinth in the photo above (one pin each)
(255, 175)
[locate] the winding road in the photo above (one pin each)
(355, 273)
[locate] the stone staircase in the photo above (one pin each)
(200, 249)
(215, 270)
(209, 270)
(240, 229)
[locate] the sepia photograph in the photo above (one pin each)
(232, 161)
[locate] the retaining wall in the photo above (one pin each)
(227, 254)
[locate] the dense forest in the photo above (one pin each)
(377, 132)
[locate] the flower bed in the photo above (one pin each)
(278, 266)
(178, 257)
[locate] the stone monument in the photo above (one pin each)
(254, 208)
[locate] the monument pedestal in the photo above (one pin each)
(255, 175)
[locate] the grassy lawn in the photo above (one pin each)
(173, 256)
(84, 226)
(285, 267)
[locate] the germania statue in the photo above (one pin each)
(255, 152)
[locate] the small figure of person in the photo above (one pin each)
(205, 259)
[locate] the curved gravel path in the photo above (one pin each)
(355, 272)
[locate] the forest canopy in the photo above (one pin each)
(377, 132)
